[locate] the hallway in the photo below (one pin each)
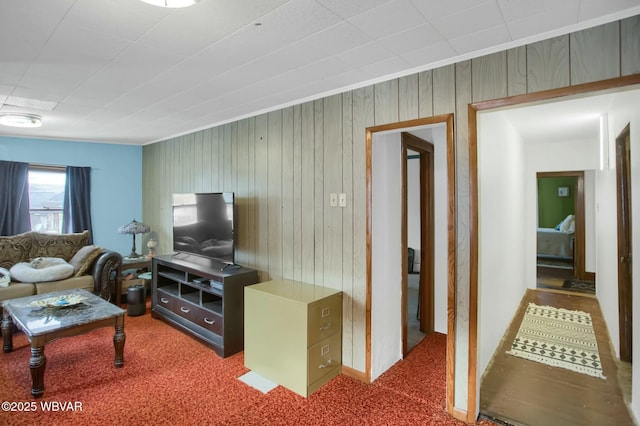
(523, 392)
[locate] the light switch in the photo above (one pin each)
(343, 200)
(333, 200)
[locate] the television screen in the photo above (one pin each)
(203, 225)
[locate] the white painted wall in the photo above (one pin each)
(633, 111)
(386, 327)
(386, 244)
(625, 109)
(501, 219)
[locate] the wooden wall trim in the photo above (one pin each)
(461, 415)
(452, 275)
(355, 374)
(473, 109)
(369, 163)
(473, 263)
(546, 95)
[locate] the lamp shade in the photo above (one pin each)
(134, 227)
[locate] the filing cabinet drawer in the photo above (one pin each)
(325, 318)
(324, 356)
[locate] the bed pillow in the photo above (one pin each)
(41, 269)
(567, 224)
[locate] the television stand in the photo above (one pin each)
(203, 298)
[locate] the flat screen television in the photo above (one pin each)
(203, 225)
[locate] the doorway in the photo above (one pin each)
(418, 232)
(623, 195)
(560, 231)
(386, 258)
(606, 256)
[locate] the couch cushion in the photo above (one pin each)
(15, 249)
(85, 281)
(41, 269)
(16, 290)
(84, 258)
(63, 246)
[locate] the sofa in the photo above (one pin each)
(31, 253)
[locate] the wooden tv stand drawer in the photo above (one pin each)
(202, 317)
(182, 295)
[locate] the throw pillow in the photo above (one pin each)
(5, 277)
(14, 249)
(84, 258)
(63, 246)
(43, 269)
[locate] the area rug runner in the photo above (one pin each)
(582, 286)
(560, 338)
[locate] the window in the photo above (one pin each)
(46, 198)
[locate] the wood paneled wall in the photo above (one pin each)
(284, 164)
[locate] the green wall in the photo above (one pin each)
(553, 209)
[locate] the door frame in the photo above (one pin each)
(473, 109)
(425, 150)
(579, 249)
(625, 259)
(446, 119)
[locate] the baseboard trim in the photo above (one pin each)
(355, 374)
(459, 414)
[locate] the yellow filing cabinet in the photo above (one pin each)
(293, 333)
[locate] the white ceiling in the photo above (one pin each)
(123, 71)
(570, 119)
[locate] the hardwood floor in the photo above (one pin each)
(523, 392)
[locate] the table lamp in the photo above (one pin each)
(134, 228)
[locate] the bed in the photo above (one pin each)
(557, 242)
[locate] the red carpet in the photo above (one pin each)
(170, 378)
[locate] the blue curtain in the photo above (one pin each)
(14, 193)
(76, 214)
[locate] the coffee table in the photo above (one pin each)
(45, 317)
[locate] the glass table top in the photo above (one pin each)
(44, 313)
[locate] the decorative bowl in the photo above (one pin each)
(63, 301)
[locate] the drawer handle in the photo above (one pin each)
(208, 321)
(325, 327)
(163, 300)
(328, 363)
(185, 310)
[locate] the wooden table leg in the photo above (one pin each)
(118, 341)
(37, 364)
(7, 332)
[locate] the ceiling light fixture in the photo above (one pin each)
(20, 120)
(174, 4)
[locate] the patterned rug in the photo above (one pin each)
(560, 338)
(582, 286)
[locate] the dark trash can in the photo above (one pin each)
(136, 300)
